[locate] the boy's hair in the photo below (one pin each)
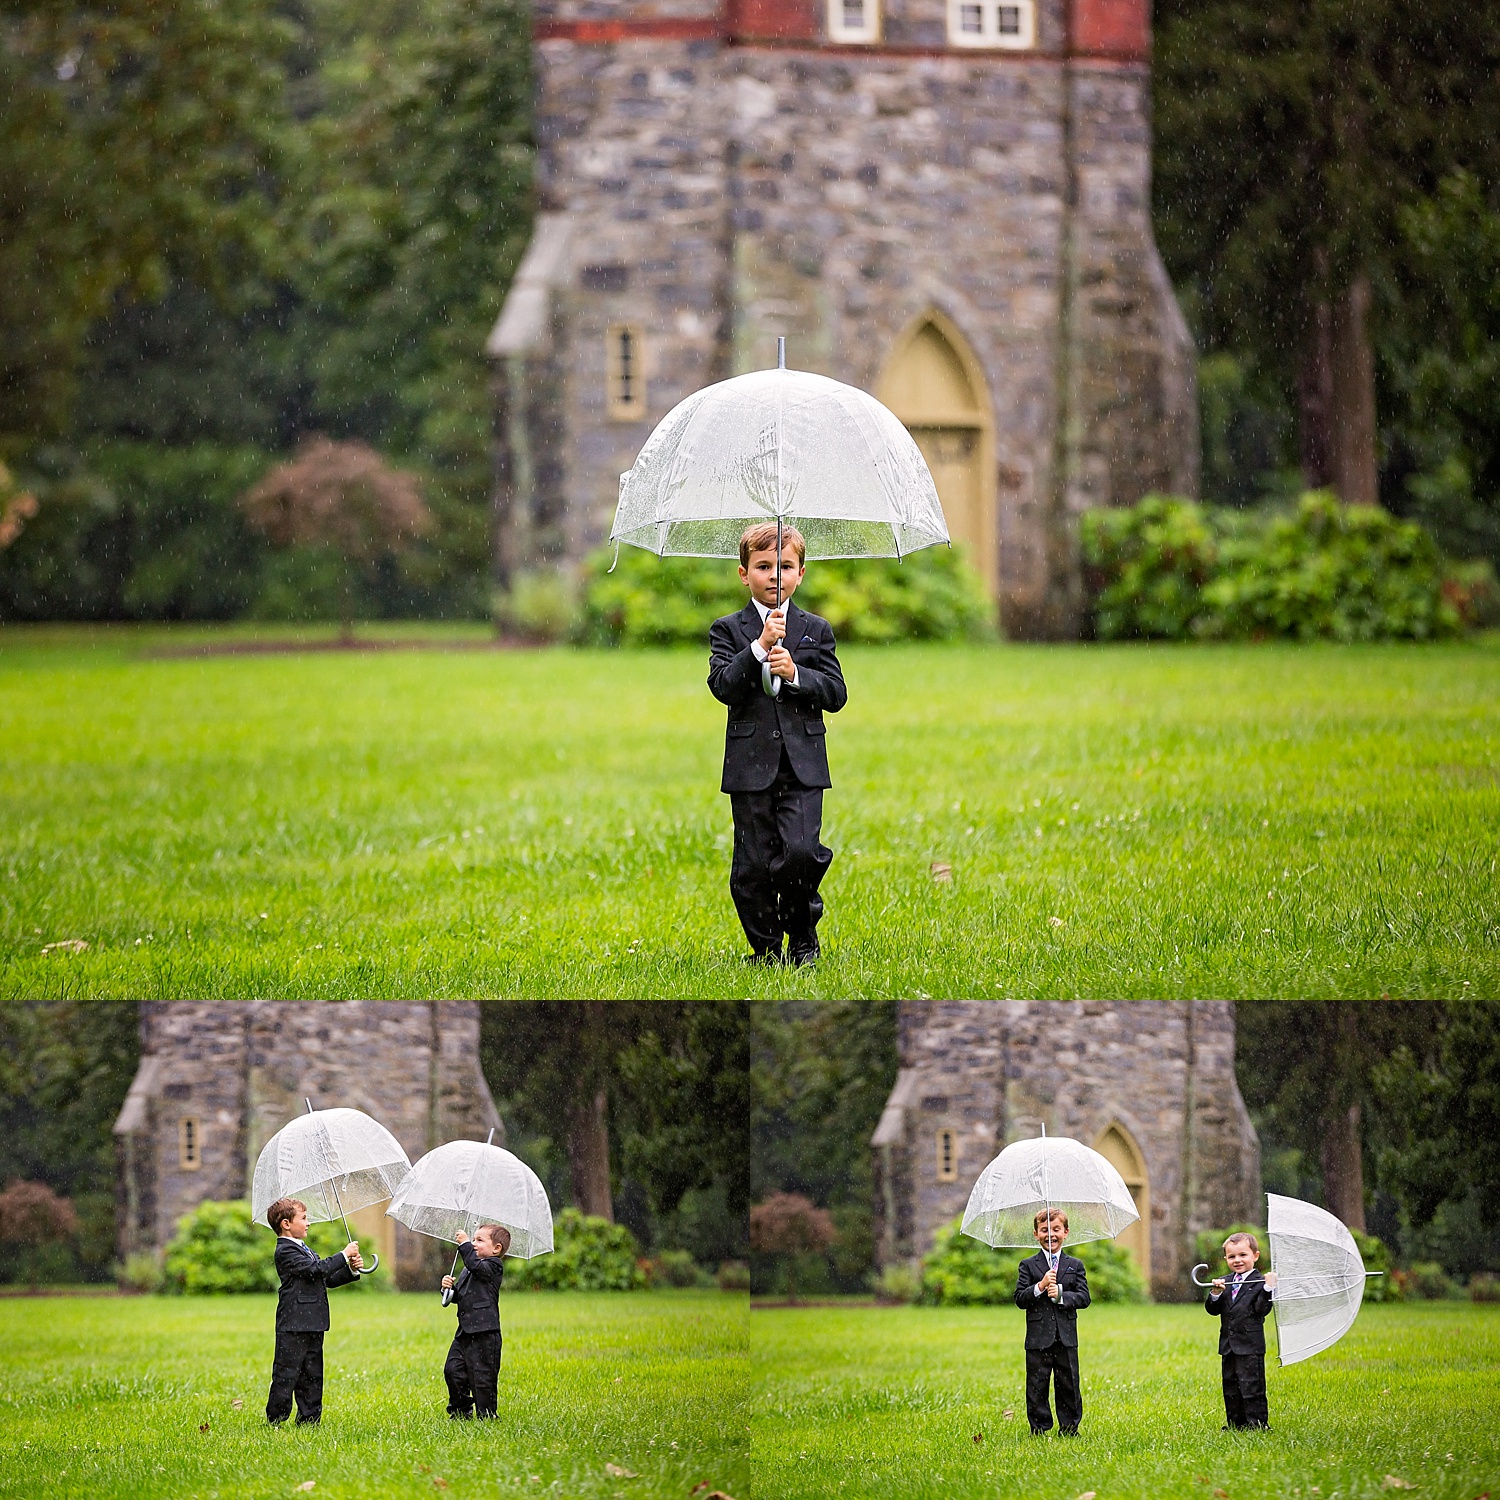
(1244, 1238)
(762, 538)
(283, 1211)
(1049, 1214)
(498, 1233)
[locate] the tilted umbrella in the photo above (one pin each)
(337, 1161)
(463, 1184)
(786, 446)
(1320, 1277)
(1048, 1172)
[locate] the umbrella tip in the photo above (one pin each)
(780, 352)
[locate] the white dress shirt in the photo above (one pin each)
(761, 654)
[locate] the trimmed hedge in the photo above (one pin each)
(217, 1249)
(650, 601)
(591, 1255)
(1169, 569)
(961, 1271)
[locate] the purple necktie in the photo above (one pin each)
(1235, 1289)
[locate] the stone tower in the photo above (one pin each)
(218, 1079)
(946, 202)
(1150, 1084)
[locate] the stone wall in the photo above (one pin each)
(242, 1070)
(718, 192)
(997, 1071)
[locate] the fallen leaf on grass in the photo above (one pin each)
(1087, 1495)
(1395, 1482)
(237, 1404)
(1221, 1494)
(978, 1437)
(308, 1484)
(1007, 1414)
(438, 1482)
(67, 945)
(616, 1472)
(941, 872)
(1057, 921)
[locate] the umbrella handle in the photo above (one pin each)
(374, 1265)
(771, 686)
(1201, 1266)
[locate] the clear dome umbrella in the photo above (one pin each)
(786, 446)
(1048, 1172)
(337, 1161)
(463, 1184)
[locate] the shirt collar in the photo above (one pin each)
(764, 609)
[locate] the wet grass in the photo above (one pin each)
(927, 1402)
(135, 1397)
(1119, 821)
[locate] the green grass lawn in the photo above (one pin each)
(137, 1397)
(1120, 821)
(888, 1403)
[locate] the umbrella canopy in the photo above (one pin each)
(334, 1160)
(1320, 1277)
(464, 1184)
(1049, 1172)
(779, 444)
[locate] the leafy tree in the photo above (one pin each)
(1290, 137)
(791, 1226)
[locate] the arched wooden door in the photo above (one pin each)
(1117, 1146)
(933, 382)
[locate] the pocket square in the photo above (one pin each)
(807, 640)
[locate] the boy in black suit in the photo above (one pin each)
(1243, 1305)
(472, 1369)
(775, 757)
(302, 1312)
(1050, 1288)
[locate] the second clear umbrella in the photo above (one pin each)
(463, 1184)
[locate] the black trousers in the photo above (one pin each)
(779, 862)
(1245, 1390)
(472, 1371)
(1059, 1364)
(296, 1371)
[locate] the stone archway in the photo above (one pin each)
(934, 383)
(1117, 1146)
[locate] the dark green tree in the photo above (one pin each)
(1289, 138)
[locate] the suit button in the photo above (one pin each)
(775, 734)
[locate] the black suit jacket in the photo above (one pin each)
(1049, 1322)
(1243, 1326)
(476, 1290)
(302, 1303)
(759, 725)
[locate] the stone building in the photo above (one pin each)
(218, 1079)
(1150, 1084)
(946, 202)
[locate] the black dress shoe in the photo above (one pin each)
(803, 953)
(768, 958)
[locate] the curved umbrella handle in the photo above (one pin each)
(447, 1295)
(1201, 1266)
(770, 686)
(373, 1267)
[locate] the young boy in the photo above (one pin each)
(1243, 1306)
(775, 758)
(472, 1368)
(1050, 1288)
(302, 1312)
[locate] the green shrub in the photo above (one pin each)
(651, 601)
(591, 1255)
(218, 1249)
(1170, 569)
(141, 1272)
(733, 1276)
(1484, 1286)
(675, 1268)
(899, 1283)
(961, 1271)
(539, 607)
(1372, 1251)
(1428, 1280)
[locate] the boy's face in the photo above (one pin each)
(484, 1247)
(1241, 1257)
(760, 576)
(1050, 1234)
(296, 1226)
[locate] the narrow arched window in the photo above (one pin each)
(947, 1156)
(189, 1143)
(625, 371)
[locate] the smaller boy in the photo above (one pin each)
(1050, 1288)
(1243, 1306)
(472, 1368)
(302, 1312)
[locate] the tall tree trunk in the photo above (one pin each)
(1315, 399)
(1352, 418)
(588, 1152)
(1343, 1168)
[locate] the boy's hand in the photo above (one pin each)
(1271, 1280)
(1218, 1287)
(781, 663)
(1049, 1283)
(460, 1237)
(351, 1254)
(773, 630)
(447, 1283)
